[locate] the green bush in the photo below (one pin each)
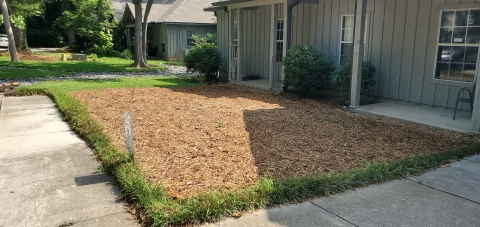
(126, 54)
(204, 58)
(94, 57)
(307, 69)
(48, 37)
(104, 46)
(342, 75)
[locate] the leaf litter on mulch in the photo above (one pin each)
(191, 140)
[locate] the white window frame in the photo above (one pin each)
(365, 41)
(438, 44)
(277, 40)
(192, 32)
(162, 41)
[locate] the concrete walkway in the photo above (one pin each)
(48, 175)
(444, 197)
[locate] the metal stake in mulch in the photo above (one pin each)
(129, 134)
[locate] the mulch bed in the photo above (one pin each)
(224, 136)
(33, 57)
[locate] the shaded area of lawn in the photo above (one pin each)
(6, 73)
(104, 64)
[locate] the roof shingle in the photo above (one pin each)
(174, 11)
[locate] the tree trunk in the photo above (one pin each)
(138, 60)
(8, 29)
(144, 31)
(19, 37)
(71, 38)
(67, 5)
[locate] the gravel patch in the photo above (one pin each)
(172, 70)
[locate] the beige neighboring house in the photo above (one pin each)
(425, 51)
(171, 26)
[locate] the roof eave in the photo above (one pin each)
(224, 3)
(214, 8)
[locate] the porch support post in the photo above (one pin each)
(272, 43)
(475, 124)
(286, 38)
(230, 44)
(358, 52)
(240, 44)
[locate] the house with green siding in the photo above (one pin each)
(425, 51)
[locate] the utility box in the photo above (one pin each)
(79, 57)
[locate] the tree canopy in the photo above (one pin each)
(88, 18)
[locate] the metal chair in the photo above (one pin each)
(470, 99)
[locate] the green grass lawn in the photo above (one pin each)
(29, 73)
(84, 84)
(159, 209)
(104, 64)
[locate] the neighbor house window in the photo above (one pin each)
(162, 40)
(346, 37)
(280, 40)
(458, 43)
(190, 34)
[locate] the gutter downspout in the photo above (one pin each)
(289, 23)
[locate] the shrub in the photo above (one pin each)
(307, 69)
(342, 75)
(104, 46)
(94, 57)
(204, 58)
(126, 54)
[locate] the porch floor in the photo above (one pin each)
(262, 83)
(424, 114)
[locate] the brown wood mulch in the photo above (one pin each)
(225, 136)
(33, 57)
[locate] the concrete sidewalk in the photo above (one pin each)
(445, 197)
(48, 175)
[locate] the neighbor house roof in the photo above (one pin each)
(118, 7)
(178, 11)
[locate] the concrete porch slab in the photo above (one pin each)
(262, 84)
(423, 114)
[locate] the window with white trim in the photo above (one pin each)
(458, 44)
(189, 35)
(162, 40)
(346, 37)
(280, 40)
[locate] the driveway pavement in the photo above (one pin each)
(48, 176)
(444, 197)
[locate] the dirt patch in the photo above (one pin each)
(194, 139)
